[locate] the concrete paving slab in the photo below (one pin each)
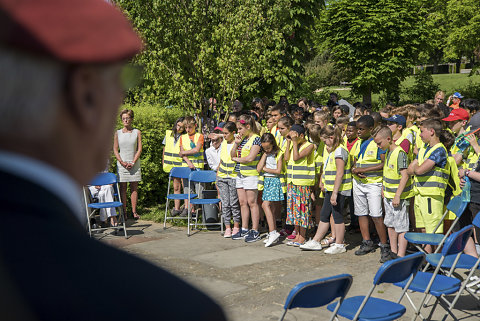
(215, 287)
(240, 256)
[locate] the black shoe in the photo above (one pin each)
(175, 212)
(385, 253)
(184, 213)
(365, 248)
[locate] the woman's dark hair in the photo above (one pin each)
(230, 126)
(287, 121)
(269, 138)
(367, 120)
(174, 129)
(447, 139)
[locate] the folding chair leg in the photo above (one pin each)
(188, 218)
(165, 218)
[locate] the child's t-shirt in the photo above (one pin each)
(270, 163)
(439, 156)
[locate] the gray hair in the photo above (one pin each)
(30, 93)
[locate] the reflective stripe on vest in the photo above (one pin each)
(434, 182)
(249, 169)
(226, 168)
(369, 159)
(302, 172)
(391, 177)
(330, 173)
(196, 159)
(171, 158)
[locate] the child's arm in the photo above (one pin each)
(261, 163)
(304, 153)
(340, 164)
(236, 143)
(250, 157)
(276, 171)
(401, 187)
(185, 158)
(427, 166)
(472, 139)
(194, 150)
(377, 167)
(286, 156)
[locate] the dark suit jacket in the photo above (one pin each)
(55, 271)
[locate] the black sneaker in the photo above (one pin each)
(175, 212)
(252, 236)
(385, 253)
(365, 248)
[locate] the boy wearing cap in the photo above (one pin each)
(431, 174)
(397, 123)
(397, 189)
(456, 99)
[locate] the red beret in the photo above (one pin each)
(73, 31)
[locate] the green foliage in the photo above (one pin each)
(423, 89)
(471, 90)
(220, 48)
(377, 40)
(152, 120)
(463, 37)
(321, 71)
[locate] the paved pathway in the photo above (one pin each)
(250, 281)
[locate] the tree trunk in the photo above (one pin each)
(367, 97)
(457, 65)
(435, 66)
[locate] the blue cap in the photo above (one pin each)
(399, 119)
(458, 95)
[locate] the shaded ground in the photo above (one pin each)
(250, 281)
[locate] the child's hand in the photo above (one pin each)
(235, 159)
(312, 196)
(333, 199)
(180, 153)
(293, 135)
(472, 139)
(396, 201)
(238, 139)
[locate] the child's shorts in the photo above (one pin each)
(247, 182)
(396, 217)
(367, 199)
(429, 212)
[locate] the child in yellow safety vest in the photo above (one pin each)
(191, 150)
(337, 183)
(367, 187)
(171, 158)
(226, 182)
(397, 190)
(273, 181)
(431, 174)
(246, 153)
(300, 180)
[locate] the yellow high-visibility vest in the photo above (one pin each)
(196, 159)
(226, 168)
(301, 172)
(330, 172)
(434, 182)
(171, 158)
(282, 177)
(249, 169)
(319, 152)
(391, 177)
(369, 159)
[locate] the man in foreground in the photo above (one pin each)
(60, 90)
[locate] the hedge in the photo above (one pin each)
(152, 120)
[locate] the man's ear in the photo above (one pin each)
(84, 82)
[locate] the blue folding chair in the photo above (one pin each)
(317, 293)
(176, 172)
(434, 283)
(201, 176)
(370, 308)
(457, 206)
(92, 208)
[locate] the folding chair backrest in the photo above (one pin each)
(104, 179)
(180, 172)
(457, 206)
(203, 176)
(399, 269)
(476, 220)
(319, 292)
(456, 242)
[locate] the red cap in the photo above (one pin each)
(74, 31)
(457, 114)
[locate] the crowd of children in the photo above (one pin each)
(299, 168)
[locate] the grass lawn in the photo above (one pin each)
(447, 82)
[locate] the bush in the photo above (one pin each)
(152, 121)
(423, 89)
(472, 90)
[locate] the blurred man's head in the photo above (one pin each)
(61, 81)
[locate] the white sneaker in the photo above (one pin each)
(336, 249)
(272, 238)
(311, 245)
(266, 238)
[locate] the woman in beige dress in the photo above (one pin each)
(127, 147)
